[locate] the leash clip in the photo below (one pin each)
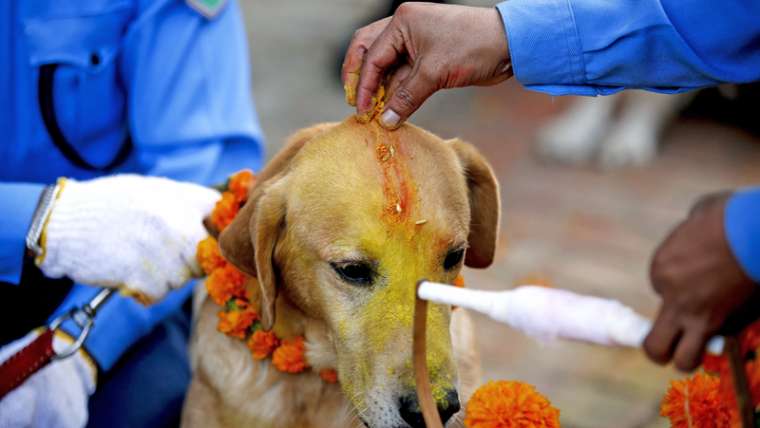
(84, 318)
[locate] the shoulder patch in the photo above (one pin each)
(208, 8)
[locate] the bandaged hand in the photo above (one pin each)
(55, 396)
(131, 232)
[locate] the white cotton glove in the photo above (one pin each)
(126, 231)
(55, 396)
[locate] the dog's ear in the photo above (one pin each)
(248, 242)
(485, 205)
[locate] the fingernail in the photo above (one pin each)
(389, 119)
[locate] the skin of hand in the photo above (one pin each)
(421, 49)
(703, 288)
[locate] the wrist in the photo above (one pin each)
(500, 39)
(35, 236)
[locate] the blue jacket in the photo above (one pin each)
(599, 47)
(153, 72)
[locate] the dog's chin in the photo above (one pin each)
(380, 412)
(395, 426)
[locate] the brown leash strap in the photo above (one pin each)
(424, 393)
(740, 382)
(24, 363)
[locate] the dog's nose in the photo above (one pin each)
(411, 413)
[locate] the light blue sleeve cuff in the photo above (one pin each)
(742, 223)
(19, 200)
(543, 42)
(547, 52)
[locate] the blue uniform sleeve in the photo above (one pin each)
(191, 118)
(18, 203)
(598, 47)
(742, 225)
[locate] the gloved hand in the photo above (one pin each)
(126, 231)
(55, 396)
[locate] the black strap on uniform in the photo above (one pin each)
(47, 108)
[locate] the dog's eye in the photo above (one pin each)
(358, 273)
(453, 258)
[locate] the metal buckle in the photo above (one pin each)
(84, 318)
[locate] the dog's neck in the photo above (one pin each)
(256, 393)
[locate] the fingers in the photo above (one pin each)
(660, 343)
(357, 49)
(382, 55)
(688, 355)
(407, 98)
(361, 41)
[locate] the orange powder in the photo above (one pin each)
(398, 187)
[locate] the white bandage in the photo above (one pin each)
(126, 231)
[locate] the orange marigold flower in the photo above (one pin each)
(225, 283)
(696, 402)
(262, 343)
(329, 375)
(225, 211)
(290, 356)
(508, 404)
(749, 339)
(458, 281)
(715, 364)
(208, 256)
(240, 183)
(236, 322)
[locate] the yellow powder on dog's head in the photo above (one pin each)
(369, 203)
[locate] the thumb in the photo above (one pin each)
(406, 99)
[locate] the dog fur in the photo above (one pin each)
(403, 202)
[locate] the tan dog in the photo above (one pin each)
(338, 229)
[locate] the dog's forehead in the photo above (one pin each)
(358, 177)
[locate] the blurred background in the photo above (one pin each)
(587, 224)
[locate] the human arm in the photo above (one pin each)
(561, 47)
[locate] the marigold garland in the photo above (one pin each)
(329, 375)
(510, 404)
(696, 402)
(262, 344)
(225, 210)
(226, 283)
(236, 322)
(289, 356)
(226, 286)
(721, 387)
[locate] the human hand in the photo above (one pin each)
(701, 284)
(127, 231)
(421, 49)
(55, 396)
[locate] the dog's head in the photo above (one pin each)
(343, 223)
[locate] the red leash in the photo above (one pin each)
(34, 356)
(31, 358)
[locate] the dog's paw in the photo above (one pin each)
(567, 144)
(574, 136)
(630, 143)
